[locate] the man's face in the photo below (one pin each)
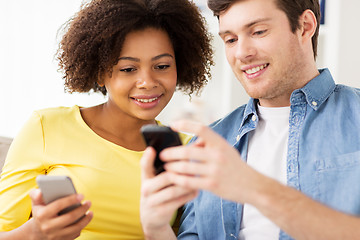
(265, 55)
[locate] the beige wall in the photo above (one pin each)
(29, 80)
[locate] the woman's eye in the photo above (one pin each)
(163, 67)
(128, 69)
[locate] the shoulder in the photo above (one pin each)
(57, 115)
(232, 119)
(56, 118)
(347, 91)
(56, 112)
(230, 124)
(346, 95)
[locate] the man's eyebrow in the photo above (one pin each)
(256, 21)
(152, 59)
(221, 33)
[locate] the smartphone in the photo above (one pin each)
(55, 187)
(160, 137)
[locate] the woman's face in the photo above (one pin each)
(144, 79)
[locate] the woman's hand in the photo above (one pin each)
(47, 224)
(160, 199)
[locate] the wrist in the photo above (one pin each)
(32, 230)
(265, 192)
(157, 233)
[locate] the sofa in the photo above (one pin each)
(4, 147)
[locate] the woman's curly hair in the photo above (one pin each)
(94, 37)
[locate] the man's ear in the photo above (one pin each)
(308, 24)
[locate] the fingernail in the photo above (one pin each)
(80, 197)
(147, 150)
(163, 155)
(34, 191)
(174, 124)
(90, 213)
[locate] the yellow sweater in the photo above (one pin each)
(57, 141)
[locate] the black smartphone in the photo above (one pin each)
(55, 187)
(160, 137)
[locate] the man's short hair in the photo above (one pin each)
(292, 8)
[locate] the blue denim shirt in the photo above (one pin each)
(323, 159)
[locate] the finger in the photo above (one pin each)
(189, 152)
(193, 182)
(73, 231)
(155, 184)
(208, 136)
(147, 163)
(199, 142)
(197, 168)
(73, 216)
(175, 203)
(169, 194)
(56, 206)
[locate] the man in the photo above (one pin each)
(290, 165)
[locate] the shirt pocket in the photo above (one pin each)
(338, 182)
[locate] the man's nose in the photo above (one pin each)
(244, 50)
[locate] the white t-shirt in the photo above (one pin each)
(267, 153)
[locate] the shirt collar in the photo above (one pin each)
(317, 90)
(249, 112)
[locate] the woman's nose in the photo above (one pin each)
(147, 80)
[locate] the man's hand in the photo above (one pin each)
(160, 199)
(211, 164)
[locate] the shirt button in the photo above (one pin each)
(253, 118)
(237, 138)
(314, 103)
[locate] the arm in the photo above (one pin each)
(46, 224)
(219, 168)
(188, 228)
(159, 200)
(23, 164)
(302, 217)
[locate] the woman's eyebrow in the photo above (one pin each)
(152, 59)
(130, 59)
(162, 55)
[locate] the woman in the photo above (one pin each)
(137, 52)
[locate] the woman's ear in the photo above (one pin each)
(100, 83)
(308, 24)
(100, 80)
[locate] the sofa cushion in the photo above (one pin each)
(4, 147)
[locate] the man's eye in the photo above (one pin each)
(229, 41)
(127, 70)
(260, 32)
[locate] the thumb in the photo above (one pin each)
(36, 197)
(147, 163)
